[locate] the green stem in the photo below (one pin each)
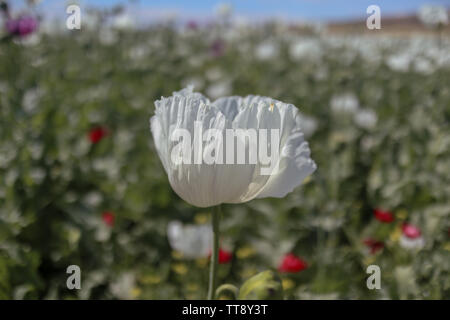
(215, 254)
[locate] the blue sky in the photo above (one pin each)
(319, 10)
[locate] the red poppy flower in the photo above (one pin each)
(383, 216)
(108, 218)
(96, 134)
(292, 263)
(374, 245)
(411, 231)
(224, 256)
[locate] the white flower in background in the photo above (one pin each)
(405, 278)
(399, 61)
(90, 20)
(102, 232)
(193, 241)
(241, 23)
(32, 40)
(327, 223)
(108, 166)
(412, 244)
(107, 37)
(308, 125)
(433, 16)
(411, 238)
(219, 89)
(8, 153)
(214, 74)
(36, 149)
(93, 199)
(346, 102)
(366, 118)
(138, 52)
(124, 139)
(31, 99)
(305, 48)
(11, 177)
(123, 286)
(37, 175)
(123, 22)
(423, 66)
(195, 82)
(266, 50)
(205, 185)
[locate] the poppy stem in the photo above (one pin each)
(213, 264)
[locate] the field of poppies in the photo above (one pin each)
(81, 182)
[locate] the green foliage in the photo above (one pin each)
(265, 285)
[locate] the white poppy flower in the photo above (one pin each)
(433, 16)
(305, 48)
(219, 89)
(123, 285)
(204, 184)
(412, 244)
(308, 125)
(346, 102)
(124, 22)
(366, 118)
(193, 241)
(400, 61)
(266, 50)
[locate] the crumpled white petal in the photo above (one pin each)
(205, 185)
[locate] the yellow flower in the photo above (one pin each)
(369, 260)
(447, 246)
(287, 284)
(396, 234)
(135, 292)
(201, 218)
(202, 262)
(74, 235)
(177, 255)
(192, 287)
(151, 279)
(402, 214)
(245, 252)
(180, 268)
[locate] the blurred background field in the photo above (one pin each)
(81, 183)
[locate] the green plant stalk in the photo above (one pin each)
(213, 264)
